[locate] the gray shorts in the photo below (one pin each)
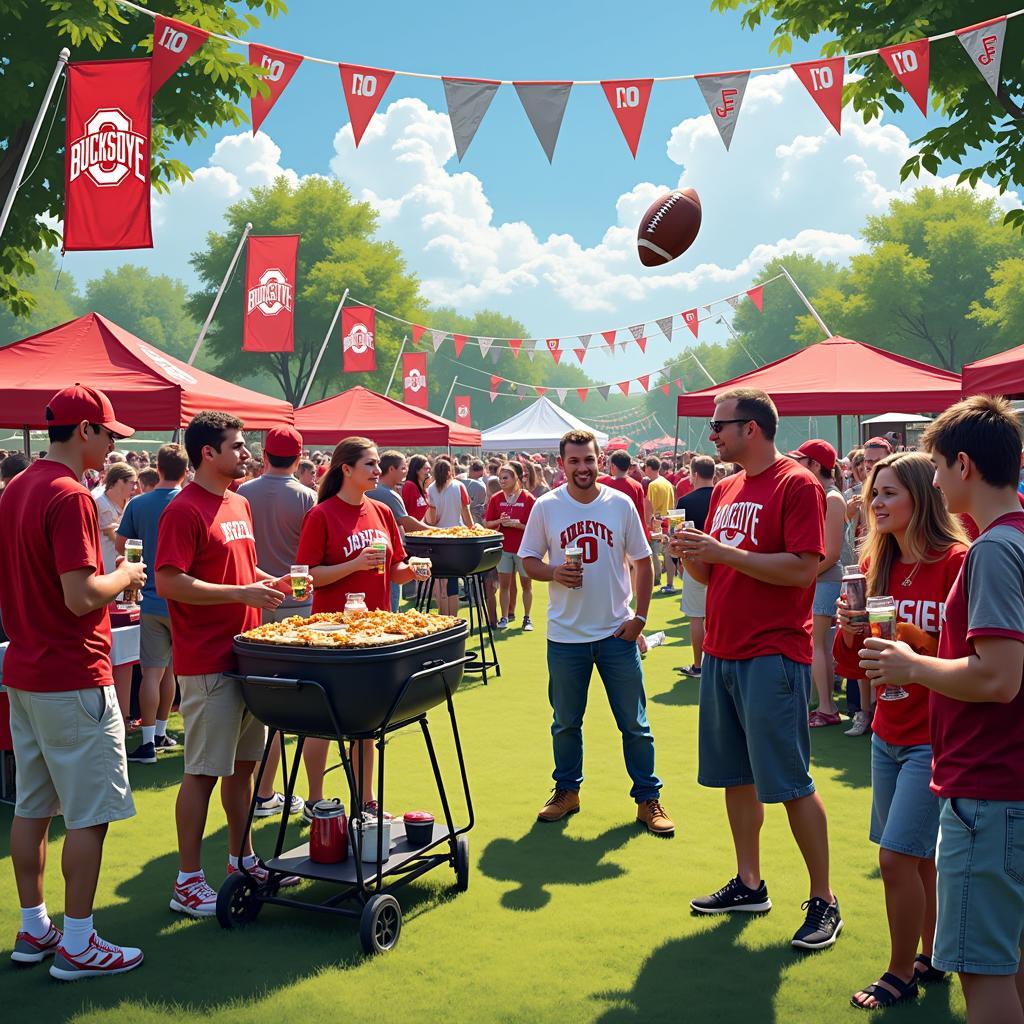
(980, 863)
(693, 603)
(510, 562)
(154, 641)
(753, 726)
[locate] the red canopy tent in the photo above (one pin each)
(384, 420)
(618, 444)
(149, 389)
(1001, 374)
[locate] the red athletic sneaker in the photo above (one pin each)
(194, 897)
(261, 875)
(30, 950)
(97, 958)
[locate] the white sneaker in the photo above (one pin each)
(861, 724)
(502, 623)
(194, 897)
(268, 806)
(97, 958)
(527, 624)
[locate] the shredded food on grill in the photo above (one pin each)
(459, 532)
(353, 629)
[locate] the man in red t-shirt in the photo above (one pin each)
(66, 726)
(759, 557)
(976, 710)
(206, 571)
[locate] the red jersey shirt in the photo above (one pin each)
(780, 509)
(683, 487)
(517, 508)
(633, 490)
(49, 525)
(416, 504)
(210, 538)
(334, 532)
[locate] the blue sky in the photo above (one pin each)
(554, 244)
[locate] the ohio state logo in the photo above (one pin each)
(272, 294)
(415, 382)
(359, 339)
(109, 151)
(462, 412)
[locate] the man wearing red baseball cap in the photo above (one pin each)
(65, 722)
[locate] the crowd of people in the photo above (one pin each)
(759, 540)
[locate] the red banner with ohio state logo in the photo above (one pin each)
(358, 345)
(269, 310)
(414, 379)
(463, 410)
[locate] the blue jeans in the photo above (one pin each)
(570, 667)
(396, 593)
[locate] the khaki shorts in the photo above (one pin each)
(154, 641)
(218, 728)
(69, 752)
(693, 603)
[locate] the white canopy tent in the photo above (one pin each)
(538, 427)
(897, 417)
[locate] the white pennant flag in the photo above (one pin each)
(665, 324)
(707, 309)
(733, 300)
(637, 330)
(561, 392)
(436, 337)
(984, 45)
(530, 347)
(485, 345)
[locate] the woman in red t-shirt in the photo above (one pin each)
(414, 490)
(912, 551)
(509, 511)
(337, 542)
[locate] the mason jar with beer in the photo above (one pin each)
(130, 596)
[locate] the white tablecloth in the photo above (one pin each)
(124, 651)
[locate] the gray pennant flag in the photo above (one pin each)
(495, 355)
(544, 103)
(561, 392)
(707, 309)
(733, 300)
(637, 330)
(468, 100)
(485, 345)
(530, 347)
(724, 94)
(603, 391)
(436, 337)
(584, 340)
(665, 323)
(984, 45)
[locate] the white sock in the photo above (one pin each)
(148, 734)
(77, 932)
(184, 876)
(161, 727)
(35, 921)
(233, 861)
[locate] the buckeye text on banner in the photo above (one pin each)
(106, 161)
(358, 327)
(463, 410)
(270, 293)
(414, 379)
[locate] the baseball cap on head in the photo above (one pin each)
(70, 406)
(821, 451)
(879, 442)
(285, 442)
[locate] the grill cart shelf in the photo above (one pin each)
(348, 694)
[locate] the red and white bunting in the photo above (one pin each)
(637, 330)
(364, 89)
(584, 340)
(690, 319)
(665, 326)
(679, 383)
(628, 99)
(463, 410)
(642, 344)
(909, 63)
(733, 300)
(280, 66)
(561, 392)
(541, 392)
(756, 296)
(437, 338)
(604, 390)
(530, 347)
(984, 45)
(485, 345)
(583, 392)
(173, 43)
(358, 343)
(723, 94)
(580, 354)
(417, 333)
(623, 386)
(515, 344)
(645, 381)
(460, 343)
(823, 79)
(495, 384)
(666, 388)
(414, 380)
(556, 352)
(609, 336)
(269, 311)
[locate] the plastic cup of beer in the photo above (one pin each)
(382, 550)
(882, 622)
(300, 584)
(130, 596)
(574, 557)
(676, 517)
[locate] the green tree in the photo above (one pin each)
(1004, 313)
(56, 301)
(975, 119)
(337, 251)
(206, 92)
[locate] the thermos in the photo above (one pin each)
(328, 832)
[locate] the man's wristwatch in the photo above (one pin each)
(642, 618)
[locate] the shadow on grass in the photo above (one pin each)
(546, 857)
(848, 756)
(685, 692)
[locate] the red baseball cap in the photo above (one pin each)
(878, 442)
(817, 449)
(284, 441)
(79, 403)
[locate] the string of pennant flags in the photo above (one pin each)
(544, 103)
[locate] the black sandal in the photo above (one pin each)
(930, 975)
(883, 997)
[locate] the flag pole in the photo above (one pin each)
(394, 369)
(450, 390)
(62, 61)
(804, 300)
(220, 292)
(323, 349)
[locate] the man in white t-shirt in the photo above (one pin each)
(590, 623)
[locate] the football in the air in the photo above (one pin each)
(669, 227)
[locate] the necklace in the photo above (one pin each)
(910, 576)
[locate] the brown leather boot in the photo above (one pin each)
(563, 802)
(651, 814)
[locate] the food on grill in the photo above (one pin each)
(350, 629)
(458, 532)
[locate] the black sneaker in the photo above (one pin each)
(734, 896)
(821, 927)
(144, 753)
(165, 742)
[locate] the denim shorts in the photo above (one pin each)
(753, 726)
(826, 593)
(904, 810)
(980, 862)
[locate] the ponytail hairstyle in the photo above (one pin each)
(442, 473)
(517, 473)
(348, 453)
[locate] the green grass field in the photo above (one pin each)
(580, 921)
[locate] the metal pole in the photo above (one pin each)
(220, 292)
(735, 335)
(27, 441)
(394, 369)
(839, 435)
(323, 348)
(803, 299)
(455, 381)
(62, 60)
(675, 445)
(704, 368)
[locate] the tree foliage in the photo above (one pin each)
(56, 301)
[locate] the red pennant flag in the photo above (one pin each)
(823, 79)
(642, 342)
(414, 379)
(106, 162)
(463, 410)
(495, 382)
(756, 296)
(279, 65)
(556, 352)
(358, 327)
(624, 387)
(609, 336)
(269, 312)
(417, 333)
(666, 388)
(679, 383)
(645, 382)
(909, 63)
(515, 344)
(580, 353)
(583, 392)
(628, 99)
(173, 43)
(690, 319)
(460, 343)
(363, 88)
(541, 392)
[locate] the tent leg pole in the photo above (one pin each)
(675, 447)
(220, 292)
(27, 442)
(839, 433)
(455, 381)
(323, 348)
(394, 369)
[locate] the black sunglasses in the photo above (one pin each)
(716, 425)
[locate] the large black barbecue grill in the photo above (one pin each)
(343, 694)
